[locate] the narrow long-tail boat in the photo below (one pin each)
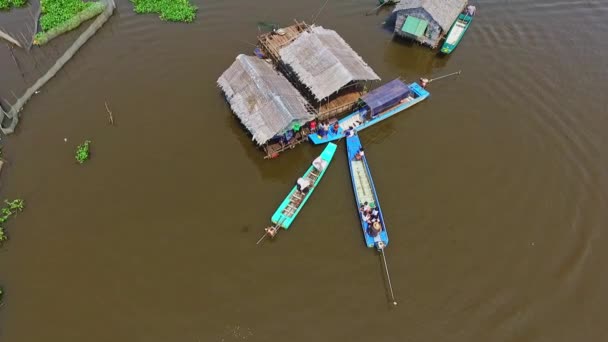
(377, 105)
(286, 213)
(457, 31)
(365, 194)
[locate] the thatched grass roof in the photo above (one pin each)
(324, 62)
(264, 100)
(444, 12)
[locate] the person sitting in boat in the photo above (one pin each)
(376, 228)
(313, 126)
(335, 128)
(424, 82)
(471, 10)
(303, 185)
(349, 132)
(365, 208)
(319, 164)
(271, 231)
(359, 155)
(375, 213)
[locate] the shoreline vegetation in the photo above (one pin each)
(168, 10)
(60, 16)
(10, 208)
(6, 5)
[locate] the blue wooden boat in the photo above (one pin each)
(365, 192)
(286, 213)
(379, 104)
(457, 31)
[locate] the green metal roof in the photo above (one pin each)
(414, 26)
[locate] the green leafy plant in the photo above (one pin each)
(82, 152)
(7, 4)
(169, 10)
(10, 208)
(57, 12)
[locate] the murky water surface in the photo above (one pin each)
(494, 190)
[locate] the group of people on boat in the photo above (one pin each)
(371, 215)
(324, 128)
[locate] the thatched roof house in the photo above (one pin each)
(426, 21)
(263, 99)
(324, 63)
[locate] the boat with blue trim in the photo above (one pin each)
(289, 209)
(377, 105)
(366, 198)
(459, 28)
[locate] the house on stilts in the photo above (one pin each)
(321, 65)
(267, 104)
(426, 21)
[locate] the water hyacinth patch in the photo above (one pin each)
(57, 12)
(82, 152)
(7, 4)
(169, 10)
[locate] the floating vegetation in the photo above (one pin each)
(169, 10)
(60, 16)
(82, 152)
(10, 208)
(7, 4)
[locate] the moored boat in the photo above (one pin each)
(458, 29)
(366, 198)
(379, 104)
(286, 213)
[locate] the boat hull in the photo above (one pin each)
(287, 212)
(457, 31)
(364, 191)
(352, 119)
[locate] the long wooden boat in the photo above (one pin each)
(457, 31)
(286, 213)
(357, 119)
(365, 192)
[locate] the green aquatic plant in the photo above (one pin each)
(57, 21)
(7, 4)
(82, 152)
(169, 10)
(57, 12)
(7, 211)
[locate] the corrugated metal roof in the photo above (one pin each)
(263, 99)
(324, 62)
(444, 12)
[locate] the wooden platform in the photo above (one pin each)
(342, 103)
(273, 149)
(272, 42)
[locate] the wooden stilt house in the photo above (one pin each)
(267, 104)
(326, 70)
(426, 21)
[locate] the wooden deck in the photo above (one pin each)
(273, 149)
(272, 42)
(342, 103)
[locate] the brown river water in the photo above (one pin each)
(494, 190)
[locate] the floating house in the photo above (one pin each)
(321, 65)
(266, 103)
(426, 21)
